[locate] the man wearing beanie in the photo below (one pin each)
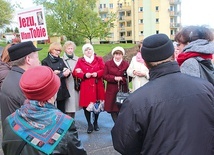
(172, 114)
(38, 127)
(24, 56)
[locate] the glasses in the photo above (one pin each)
(57, 50)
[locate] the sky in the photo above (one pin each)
(193, 12)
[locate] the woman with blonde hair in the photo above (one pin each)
(70, 59)
(58, 66)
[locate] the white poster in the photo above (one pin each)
(32, 24)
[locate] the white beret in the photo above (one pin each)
(118, 48)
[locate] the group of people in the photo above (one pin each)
(168, 112)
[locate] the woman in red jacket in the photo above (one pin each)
(114, 73)
(89, 69)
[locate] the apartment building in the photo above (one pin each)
(137, 19)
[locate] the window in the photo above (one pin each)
(140, 9)
(129, 24)
(104, 5)
(129, 33)
(157, 20)
(157, 8)
(141, 33)
(120, 5)
(100, 6)
(111, 5)
(140, 21)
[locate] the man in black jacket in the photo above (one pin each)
(172, 114)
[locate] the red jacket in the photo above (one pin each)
(91, 89)
(111, 70)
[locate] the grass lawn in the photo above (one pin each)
(100, 49)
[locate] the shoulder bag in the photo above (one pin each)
(121, 96)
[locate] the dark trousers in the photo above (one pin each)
(61, 105)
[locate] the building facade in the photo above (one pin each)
(137, 19)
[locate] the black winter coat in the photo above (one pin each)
(58, 64)
(173, 114)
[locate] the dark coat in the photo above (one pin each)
(69, 145)
(91, 89)
(111, 70)
(173, 114)
(58, 64)
(4, 69)
(11, 96)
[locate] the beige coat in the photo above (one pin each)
(72, 103)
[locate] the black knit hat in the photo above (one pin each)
(157, 47)
(20, 50)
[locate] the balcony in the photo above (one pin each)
(102, 10)
(124, 8)
(174, 25)
(128, 37)
(128, 28)
(121, 18)
(174, 2)
(128, 18)
(174, 13)
(122, 29)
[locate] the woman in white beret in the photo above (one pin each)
(89, 69)
(114, 74)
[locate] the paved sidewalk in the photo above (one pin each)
(96, 143)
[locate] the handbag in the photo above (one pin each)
(121, 96)
(77, 83)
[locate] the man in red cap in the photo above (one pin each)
(23, 56)
(38, 127)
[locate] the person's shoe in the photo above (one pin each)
(96, 127)
(90, 129)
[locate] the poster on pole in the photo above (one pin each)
(32, 24)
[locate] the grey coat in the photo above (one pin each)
(11, 96)
(191, 66)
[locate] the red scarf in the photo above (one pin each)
(184, 56)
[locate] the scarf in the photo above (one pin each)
(89, 60)
(42, 127)
(69, 56)
(117, 62)
(139, 57)
(53, 58)
(184, 56)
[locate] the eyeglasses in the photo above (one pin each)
(57, 50)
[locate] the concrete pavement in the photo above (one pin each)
(98, 142)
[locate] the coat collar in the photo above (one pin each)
(18, 69)
(163, 69)
(66, 58)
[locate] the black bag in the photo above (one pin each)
(77, 83)
(121, 96)
(206, 70)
